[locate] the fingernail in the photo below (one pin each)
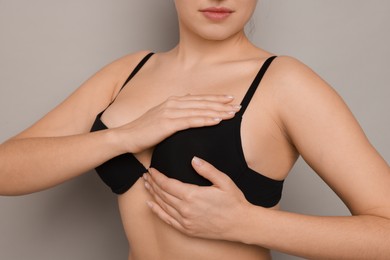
(145, 176)
(236, 107)
(197, 161)
(229, 97)
(147, 186)
(217, 119)
(149, 204)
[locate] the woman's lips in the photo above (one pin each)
(216, 13)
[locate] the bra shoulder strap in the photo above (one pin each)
(137, 68)
(256, 82)
(132, 74)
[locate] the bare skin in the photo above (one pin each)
(317, 122)
(140, 224)
(277, 126)
(154, 105)
(137, 103)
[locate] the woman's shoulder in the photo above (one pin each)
(291, 76)
(119, 69)
(126, 63)
(131, 58)
(284, 70)
(297, 89)
(290, 68)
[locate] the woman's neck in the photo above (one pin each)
(192, 49)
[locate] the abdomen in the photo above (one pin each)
(150, 238)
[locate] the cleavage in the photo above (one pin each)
(145, 157)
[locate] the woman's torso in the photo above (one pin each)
(265, 147)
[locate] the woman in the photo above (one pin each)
(215, 62)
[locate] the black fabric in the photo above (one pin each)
(137, 68)
(121, 172)
(220, 145)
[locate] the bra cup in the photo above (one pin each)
(220, 145)
(173, 156)
(216, 145)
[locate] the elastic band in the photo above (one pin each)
(256, 82)
(136, 69)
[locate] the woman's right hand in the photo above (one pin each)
(175, 114)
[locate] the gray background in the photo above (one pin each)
(48, 48)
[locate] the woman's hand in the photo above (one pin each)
(173, 115)
(208, 212)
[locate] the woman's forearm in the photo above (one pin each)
(32, 164)
(231, 217)
(350, 237)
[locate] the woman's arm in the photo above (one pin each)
(60, 147)
(222, 212)
(35, 163)
(328, 137)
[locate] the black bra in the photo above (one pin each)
(220, 145)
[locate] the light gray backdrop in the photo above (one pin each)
(48, 48)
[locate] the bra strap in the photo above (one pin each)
(253, 87)
(137, 68)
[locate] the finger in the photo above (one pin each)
(164, 216)
(159, 194)
(200, 112)
(215, 98)
(204, 104)
(211, 173)
(174, 187)
(173, 212)
(194, 122)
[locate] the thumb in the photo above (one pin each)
(209, 172)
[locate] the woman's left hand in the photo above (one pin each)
(208, 212)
